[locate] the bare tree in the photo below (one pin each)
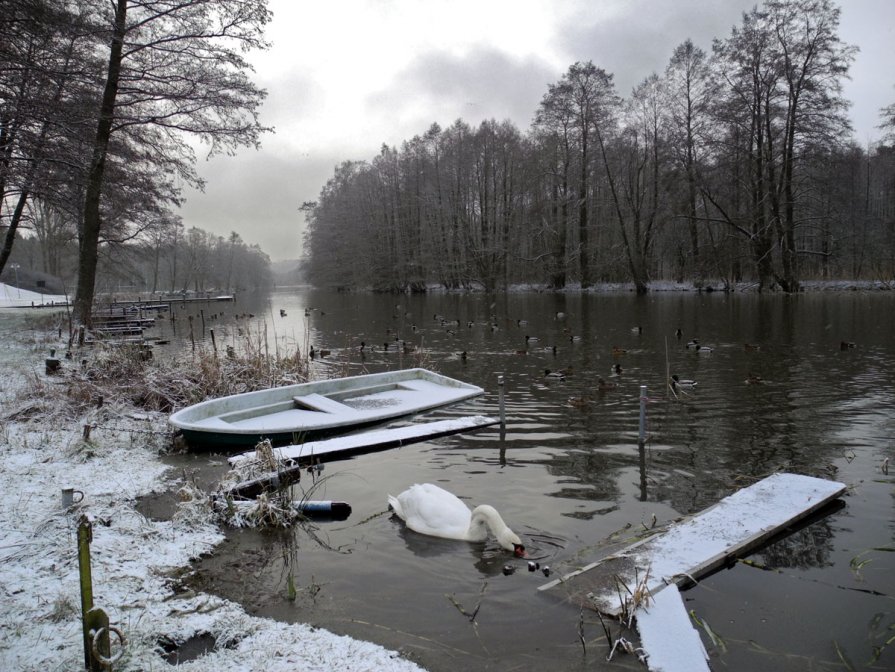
(687, 93)
(174, 69)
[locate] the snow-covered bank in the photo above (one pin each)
(135, 561)
(14, 297)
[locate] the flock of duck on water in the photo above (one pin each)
(430, 510)
(399, 345)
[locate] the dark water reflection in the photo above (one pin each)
(569, 473)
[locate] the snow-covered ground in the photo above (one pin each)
(135, 561)
(13, 297)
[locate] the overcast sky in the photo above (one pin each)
(343, 77)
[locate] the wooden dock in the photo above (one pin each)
(697, 546)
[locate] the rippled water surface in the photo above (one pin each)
(569, 475)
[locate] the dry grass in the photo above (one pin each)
(131, 376)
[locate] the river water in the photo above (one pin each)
(569, 475)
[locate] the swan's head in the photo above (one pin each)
(507, 539)
(511, 542)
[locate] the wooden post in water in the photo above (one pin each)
(192, 338)
(202, 315)
(214, 345)
(502, 404)
(642, 434)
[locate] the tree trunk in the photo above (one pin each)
(88, 252)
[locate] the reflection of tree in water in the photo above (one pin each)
(593, 473)
(804, 548)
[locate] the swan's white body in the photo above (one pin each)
(431, 510)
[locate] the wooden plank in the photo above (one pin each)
(671, 642)
(701, 544)
(298, 457)
(317, 402)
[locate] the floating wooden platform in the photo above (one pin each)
(372, 441)
(667, 635)
(297, 457)
(699, 545)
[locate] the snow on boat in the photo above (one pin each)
(319, 408)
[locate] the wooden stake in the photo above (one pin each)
(85, 535)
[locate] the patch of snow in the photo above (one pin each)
(134, 560)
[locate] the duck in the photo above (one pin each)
(637, 330)
(753, 379)
(617, 369)
(603, 386)
(678, 333)
(692, 343)
(676, 381)
(428, 509)
(703, 349)
(846, 345)
(751, 347)
(574, 339)
(282, 313)
(554, 375)
(580, 402)
(531, 339)
(616, 351)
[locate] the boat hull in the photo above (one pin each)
(297, 413)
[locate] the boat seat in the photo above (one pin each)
(317, 402)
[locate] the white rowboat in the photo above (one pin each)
(319, 408)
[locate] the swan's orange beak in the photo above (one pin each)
(519, 550)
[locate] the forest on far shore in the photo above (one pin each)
(730, 166)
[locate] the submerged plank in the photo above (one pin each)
(701, 544)
(371, 441)
(671, 642)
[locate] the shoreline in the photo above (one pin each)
(136, 562)
(28, 299)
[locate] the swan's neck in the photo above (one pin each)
(484, 519)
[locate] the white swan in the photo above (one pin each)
(431, 510)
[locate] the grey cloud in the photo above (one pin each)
(290, 97)
(257, 194)
(634, 44)
(483, 84)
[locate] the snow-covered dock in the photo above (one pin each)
(697, 546)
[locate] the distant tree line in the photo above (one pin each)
(101, 102)
(733, 166)
(170, 258)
